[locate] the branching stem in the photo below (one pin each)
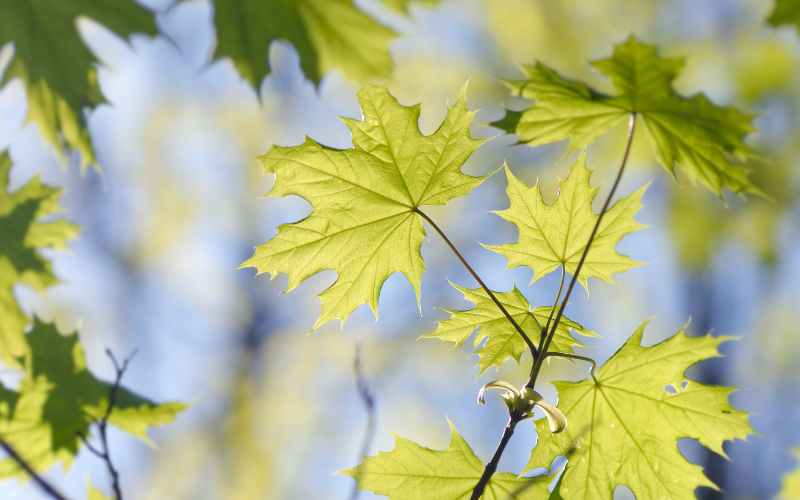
(47, 487)
(477, 493)
(102, 425)
(555, 304)
(537, 365)
(527, 340)
(491, 467)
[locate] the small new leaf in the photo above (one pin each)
(326, 33)
(706, 140)
(556, 235)
(626, 427)
(21, 235)
(411, 472)
(364, 223)
(56, 66)
(59, 397)
(504, 341)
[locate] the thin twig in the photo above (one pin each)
(537, 365)
(47, 487)
(102, 424)
(527, 340)
(491, 467)
(575, 356)
(369, 403)
(552, 310)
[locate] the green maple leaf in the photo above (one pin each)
(59, 397)
(326, 33)
(55, 65)
(791, 482)
(785, 12)
(411, 472)
(706, 140)
(504, 341)
(556, 235)
(20, 236)
(363, 223)
(626, 427)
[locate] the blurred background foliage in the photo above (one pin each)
(174, 208)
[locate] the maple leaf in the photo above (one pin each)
(556, 235)
(504, 341)
(363, 223)
(59, 397)
(791, 481)
(56, 66)
(626, 426)
(20, 236)
(706, 140)
(326, 33)
(411, 472)
(785, 12)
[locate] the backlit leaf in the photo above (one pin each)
(326, 33)
(706, 140)
(556, 235)
(59, 397)
(785, 12)
(363, 224)
(55, 65)
(504, 341)
(791, 482)
(21, 235)
(626, 428)
(411, 472)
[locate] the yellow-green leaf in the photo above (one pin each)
(20, 236)
(411, 472)
(556, 235)
(95, 494)
(626, 428)
(326, 33)
(56, 66)
(706, 140)
(504, 341)
(59, 397)
(791, 482)
(363, 223)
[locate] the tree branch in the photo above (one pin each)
(47, 487)
(102, 425)
(491, 467)
(369, 403)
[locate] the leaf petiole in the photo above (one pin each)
(527, 340)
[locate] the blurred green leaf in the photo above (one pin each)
(56, 66)
(556, 235)
(21, 234)
(411, 472)
(363, 224)
(625, 428)
(327, 34)
(785, 12)
(95, 494)
(504, 341)
(59, 397)
(706, 140)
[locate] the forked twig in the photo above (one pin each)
(102, 424)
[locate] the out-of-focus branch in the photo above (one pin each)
(47, 487)
(369, 403)
(102, 425)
